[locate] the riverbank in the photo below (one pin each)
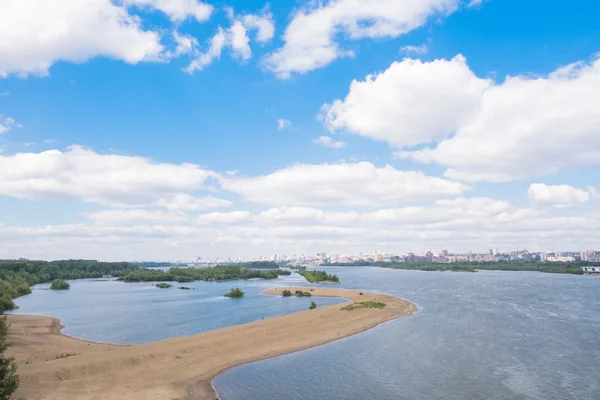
(53, 366)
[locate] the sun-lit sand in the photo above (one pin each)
(53, 366)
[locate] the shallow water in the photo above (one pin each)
(132, 313)
(485, 335)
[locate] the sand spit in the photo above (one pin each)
(53, 366)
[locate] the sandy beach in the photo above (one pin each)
(54, 366)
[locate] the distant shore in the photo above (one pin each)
(54, 366)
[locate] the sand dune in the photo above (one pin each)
(178, 368)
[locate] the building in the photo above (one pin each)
(444, 253)
(591, 270)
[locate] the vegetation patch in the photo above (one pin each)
(235, 293)
(59, 284)
(286, 293)
(364, 304)
(313, 305)
(183, 288)
(163, 285)
(65, 355)
(300, 293)
(9, 380)
(318, 276)
(219, 273)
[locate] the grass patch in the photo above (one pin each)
(364, 304)
(65, 355)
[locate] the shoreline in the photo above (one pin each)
(53, 365)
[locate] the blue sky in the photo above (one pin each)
(111, 147)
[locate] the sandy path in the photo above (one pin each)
(178, 368)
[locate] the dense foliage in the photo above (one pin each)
(560, 268)
(9, 380)
(259, 265)
(313, 305)
(16, 276)
(163, 285)
(286, 293)
(300, 293)
(59, 284)
(318, 276)
(218, 273)
(235, 293)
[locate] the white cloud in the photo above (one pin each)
(283, 123)
(422, 49)
(235, 38)
(223, 218)
(91, 177)
(262, 23)
(186, 44)
(136, 217)
(559, 195)
(360, 184)
(411, 102)
(36, 34)
(177, 10)
(7, 124)
(216, 44)
(524, 127)
(186, 202)
(329, 142)
(310, 38)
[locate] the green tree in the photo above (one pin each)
(59, 284)
(286, 293)
(235, 293)
(313, 305)
(9, 380)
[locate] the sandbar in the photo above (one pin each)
(53, 366)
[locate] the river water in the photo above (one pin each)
(486, 335)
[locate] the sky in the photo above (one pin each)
(176, 129)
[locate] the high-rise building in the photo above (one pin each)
(444, 253)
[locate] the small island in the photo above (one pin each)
(319, 276)
(59, 284)
(163, 285)
(235, 293)
(220, 273)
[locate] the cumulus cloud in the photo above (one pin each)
(223, 217)
(136, 217)
(283, 123)
(559, 195)
(72, 30)
(7, 124)
(329, 142)
(98, 178)
(411, 102)
(235, 38)
(525, 127)
(186, 202)
(360, 184)
(176, 10)
(311, 37)
(422, 49)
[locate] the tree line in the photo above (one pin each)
(318, 276)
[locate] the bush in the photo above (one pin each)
(59, 284)
(9, 380)
(183, 288)
(164, 285)
(313, 305)
(360, 294)
(286, 293)
(300, 293)
(235, 293)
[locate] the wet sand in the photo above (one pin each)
(53, 366)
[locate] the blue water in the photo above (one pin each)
(485, 335)
(132, 313)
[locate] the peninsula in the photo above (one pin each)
(53, 366)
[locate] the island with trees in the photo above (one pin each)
(220, 273)
(558, 268)
(235, 293)
(163, 285)
(59, 284)
(314, 276)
